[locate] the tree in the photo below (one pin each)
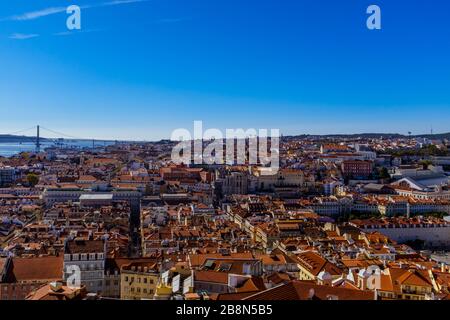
(32, 179)
(425, 163)
(25, 155)
(384, 173)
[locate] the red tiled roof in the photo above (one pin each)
(211, 276)
(303, 290)
(37, 268)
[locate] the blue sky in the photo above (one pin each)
(140, 69)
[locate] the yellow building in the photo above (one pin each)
(405, 284)
(138, 281)
(163, 291)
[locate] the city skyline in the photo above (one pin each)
(137, 70)
(52, 135)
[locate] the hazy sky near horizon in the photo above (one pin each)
(140, 69)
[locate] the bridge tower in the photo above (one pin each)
(38, 142)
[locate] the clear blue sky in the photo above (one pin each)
(140, 70)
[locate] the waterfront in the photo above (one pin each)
(12, 148)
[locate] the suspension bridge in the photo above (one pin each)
(58, 139)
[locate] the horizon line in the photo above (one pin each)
(281, 135)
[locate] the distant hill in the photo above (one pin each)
(435, 136)
(374, 136)
(6, 138)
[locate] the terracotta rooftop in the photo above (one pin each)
(211, 276)
(64, 293)
(315, 263)
(36, 269)
(84, 246)
(304, 290)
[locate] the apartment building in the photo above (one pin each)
(357, 169)
(235, 183)
(87, 256)
(7, 176)
(434, 232)
(138, 280)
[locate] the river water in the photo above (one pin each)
(13, 148)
